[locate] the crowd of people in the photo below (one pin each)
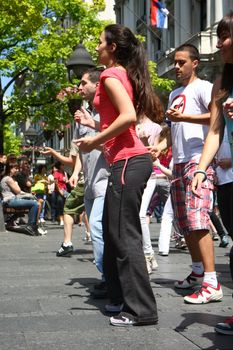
(43, 194)
(127, 152)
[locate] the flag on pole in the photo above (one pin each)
(158, 14)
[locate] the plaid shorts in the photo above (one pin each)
(190, 212)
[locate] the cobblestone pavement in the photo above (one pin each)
(45, 301)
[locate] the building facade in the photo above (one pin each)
(189, 21)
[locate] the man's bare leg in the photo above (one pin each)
(68, 228)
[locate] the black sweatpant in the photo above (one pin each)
(124, 262)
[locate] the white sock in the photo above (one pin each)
(211, 278)
(197, 267)
(68, 244)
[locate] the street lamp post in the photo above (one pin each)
(31, 135)
(79, 61)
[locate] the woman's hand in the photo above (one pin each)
(86, 144)
(196, 184)
(83, 117)
(155, 152)
(73, 180)
(228, 107)
(47, 151)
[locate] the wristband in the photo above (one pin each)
(201, 172)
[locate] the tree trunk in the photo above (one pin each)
(2, 122)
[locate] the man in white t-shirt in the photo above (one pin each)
(188, 111)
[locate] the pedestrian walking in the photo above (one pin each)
(189, 112)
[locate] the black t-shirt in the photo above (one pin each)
(22, 179)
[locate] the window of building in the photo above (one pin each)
(119, 14)
(140, 11)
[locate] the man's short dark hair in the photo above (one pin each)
(191, 49)
(94, 74)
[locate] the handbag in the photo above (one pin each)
(38, 187)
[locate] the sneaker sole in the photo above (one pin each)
(64, 253)
(135, 324)
(210, 300)
(122, 324)
(223, 331)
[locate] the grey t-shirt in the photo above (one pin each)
(95, 167)
(7, 193)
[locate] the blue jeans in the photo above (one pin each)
(42, 196)
(94, 210)
(26, 203)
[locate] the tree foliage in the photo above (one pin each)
(161, 85)
(12, 143)
(36, 38)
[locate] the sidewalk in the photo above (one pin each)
(45, 302)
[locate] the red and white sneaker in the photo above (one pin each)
(205, 294)
(189, 282)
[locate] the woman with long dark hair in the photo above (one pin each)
(124, 95)
(221, 116)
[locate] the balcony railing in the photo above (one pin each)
(205, 42)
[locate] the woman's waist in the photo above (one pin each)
(112, 157)
(114, 151)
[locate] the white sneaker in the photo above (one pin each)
(189, 282)
(154, 264)
(181, 244)
(42, 221)
(41, 231)
(88, 237)
(61, 223)
(205, 294)
(151, 263)
(215, 236)
(122, 320)
(163, 253)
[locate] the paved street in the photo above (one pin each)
(45, 302)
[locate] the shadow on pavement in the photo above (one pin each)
(88, 284)
(197, 319)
